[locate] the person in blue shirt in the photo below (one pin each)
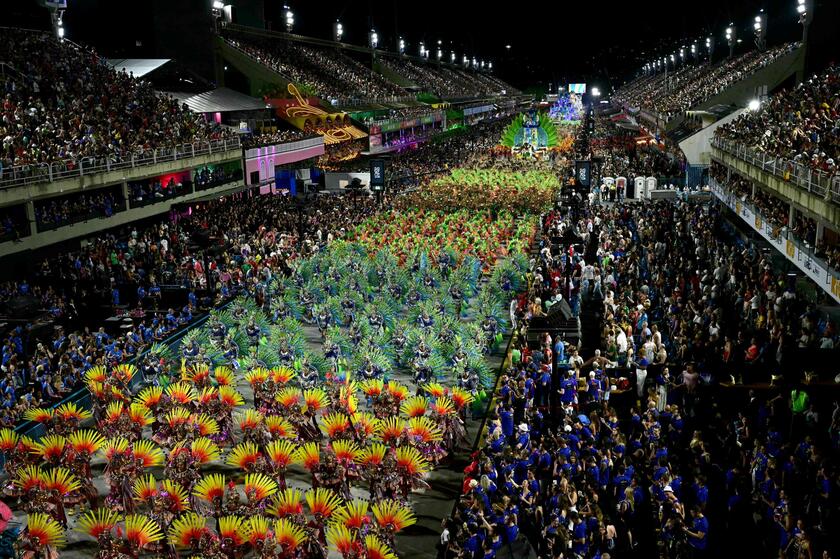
(698, 531)
(579, 536)
(506, 419)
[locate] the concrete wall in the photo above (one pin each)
(823, 210)
(40, 240)
(16, 195)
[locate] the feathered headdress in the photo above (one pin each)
(224, 376)
(51, 448)
(72, 412)
(391, 429)
(244, 456)
(97, 522)
(286, 503)
(335, 425)
(289, 397)
(186, 531)
(398, 391)
(315, 399)
(86, 441)
(424, 429)
(322, 502)
(204, 451)
(365, 423)
(372, 388)
(461, 398)
(280, 427)
(443, 406)
(256, 376)
(149, 396)
(393, 514)
(230, 397)
(373, 455)
(377, 549)
(140, 415)
(281, 452)
(29, 478)
(210, 487)
(257, 529)
(415, 406)
(410, 459)
(340, 538)
(61, 481)
(44, 531)
(288, 535)
(260, 486)
(233, 528)
(181, 393)
(353, 515)
(250, 419)
(141, 530)
(145, 488)
(205, 424)
(434, 389)
(149, 453)
(309, 455)
(8, 439)
(282, 375)
(345, 450)
(179, 500)
(39, 415)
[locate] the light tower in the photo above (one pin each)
(760, 28)
(289, 18)
(338, 31)
(731, 38)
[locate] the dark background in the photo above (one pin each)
(601, 43)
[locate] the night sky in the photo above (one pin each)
(602, 43)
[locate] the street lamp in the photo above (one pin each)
(422, 49)
(401, 46)
(290, 18)
(373, 39)
(710, 47)
(338, 31)
(596, 92)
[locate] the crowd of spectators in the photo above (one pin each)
(639, 450)
(669, 94)
(443, 81)
(329, 73)
(273, 137)
(251, 239)
(405, 113)
(801, 125)
(777, 212)
(58, 212)
(151, 191)
(62, 102)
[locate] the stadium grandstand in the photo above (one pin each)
(271, 289)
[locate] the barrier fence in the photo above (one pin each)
(805, 177)
(22, 175)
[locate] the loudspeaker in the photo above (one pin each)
(562, 308)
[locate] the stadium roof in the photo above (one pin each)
(220, 100)
(138, 66)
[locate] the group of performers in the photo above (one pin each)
(159, 432)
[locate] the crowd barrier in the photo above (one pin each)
(805, 177)
(22, 175)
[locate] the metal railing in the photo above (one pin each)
(286, 147)
(805, 177)
(777, 232)
(23, 175)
